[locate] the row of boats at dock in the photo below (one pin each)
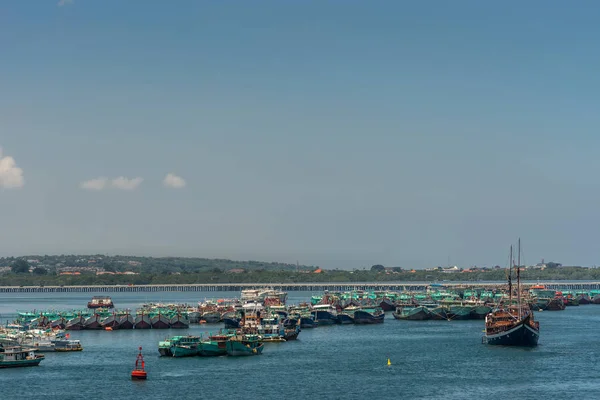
(355, 307)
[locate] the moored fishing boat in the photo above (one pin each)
(595, 295)
(216, 345)
(160, 321)
(93, 322)
(179, 321)
(479, 310)
(186, 346)
(419, 313)
(112, 321)
(164, 347)
(369, 316)
(211, 316)
(231, 323)
(512, 324)
(126, 320)
(59, 323)
(76, 324)
(346, 316)
(583, 297)
(100, 302)
(244, 345)
(459, 312)
(142, 321)
(324, 314)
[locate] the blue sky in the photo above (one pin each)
(333, 133)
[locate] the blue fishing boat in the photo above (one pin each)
(324, 314)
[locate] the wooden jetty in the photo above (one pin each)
(308, 287)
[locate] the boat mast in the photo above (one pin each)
(519, 278)
(510, 262)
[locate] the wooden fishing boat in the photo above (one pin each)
(512, 324)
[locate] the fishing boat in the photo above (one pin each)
(179, 321)
(126, 320)
(100, 302)
(512, 324)
(160, 321)
(216, 345)
(93, 322)
(186, 346)
(365, 316)
(142, 321)
(76, 324)
(244, 345)
(419, 313)
(17, 356)
(112, 321)
(324, 314)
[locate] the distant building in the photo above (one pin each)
(450, 270)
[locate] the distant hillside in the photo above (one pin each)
(147, 265)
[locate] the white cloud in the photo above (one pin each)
(174, 181)
(63, 3)
(94, 184)
(126, 183)
(118, 183)
(11, 176)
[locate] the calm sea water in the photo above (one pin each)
(430, 360)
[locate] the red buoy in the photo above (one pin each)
(139, 372)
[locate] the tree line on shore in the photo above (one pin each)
(102, 270)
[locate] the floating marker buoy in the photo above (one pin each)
(389, 362)
(139, 372)
(108, 328)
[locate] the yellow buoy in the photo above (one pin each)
(389, 362)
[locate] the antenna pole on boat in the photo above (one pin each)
(519, 278)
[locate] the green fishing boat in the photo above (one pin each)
(244, 345)
(420, 313)
(186, 346)
(216, 345)
(17, 356)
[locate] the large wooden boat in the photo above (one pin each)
(512, 324)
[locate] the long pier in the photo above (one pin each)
(307, 287)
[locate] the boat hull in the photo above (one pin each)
(415, 314)
(185, 351)
(179, 322)
(213, 349)
(344, 319)
(235, 348)
(21, 363)
(520, 335)
(142, 321)
(365, 318)
(160, 321)
(126, 322)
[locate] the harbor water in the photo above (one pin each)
(429, 359)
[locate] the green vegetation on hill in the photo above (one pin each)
(103, 270)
